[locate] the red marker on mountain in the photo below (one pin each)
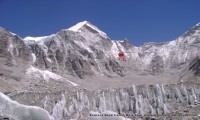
(121, 56)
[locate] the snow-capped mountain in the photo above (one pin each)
(76, 72)
(81, 50)
(91, 51)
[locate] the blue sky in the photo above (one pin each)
(137, 20)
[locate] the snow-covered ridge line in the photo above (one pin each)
(47, 75)
(12, 109)
(95, 28)
(38, 39)
(78, 26)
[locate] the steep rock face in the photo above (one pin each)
(126, 44)
(157, 65)
(195, 66)
(13, 50)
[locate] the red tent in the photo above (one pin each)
(121, 56)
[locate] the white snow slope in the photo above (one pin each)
(47, 75)
(78, 26)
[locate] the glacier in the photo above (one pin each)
(16, 111)
(157, 100)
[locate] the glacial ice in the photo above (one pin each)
(12, 109)
(59, 108)
(133, 100)
(146, 100)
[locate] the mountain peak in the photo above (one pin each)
(80, 25)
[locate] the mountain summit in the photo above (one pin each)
(78, 26)
(85, 24)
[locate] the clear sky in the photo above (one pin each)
(137, 20)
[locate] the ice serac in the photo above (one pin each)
(124, 103)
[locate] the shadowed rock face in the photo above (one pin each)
(195, 66)
(126, 44)
(157, 65)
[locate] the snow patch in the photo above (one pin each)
(13, 33)
(172, 43)
(115, 49)
(38, 39)
(34, 57)
(10, 48)
(48, 59)
(46, 75)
